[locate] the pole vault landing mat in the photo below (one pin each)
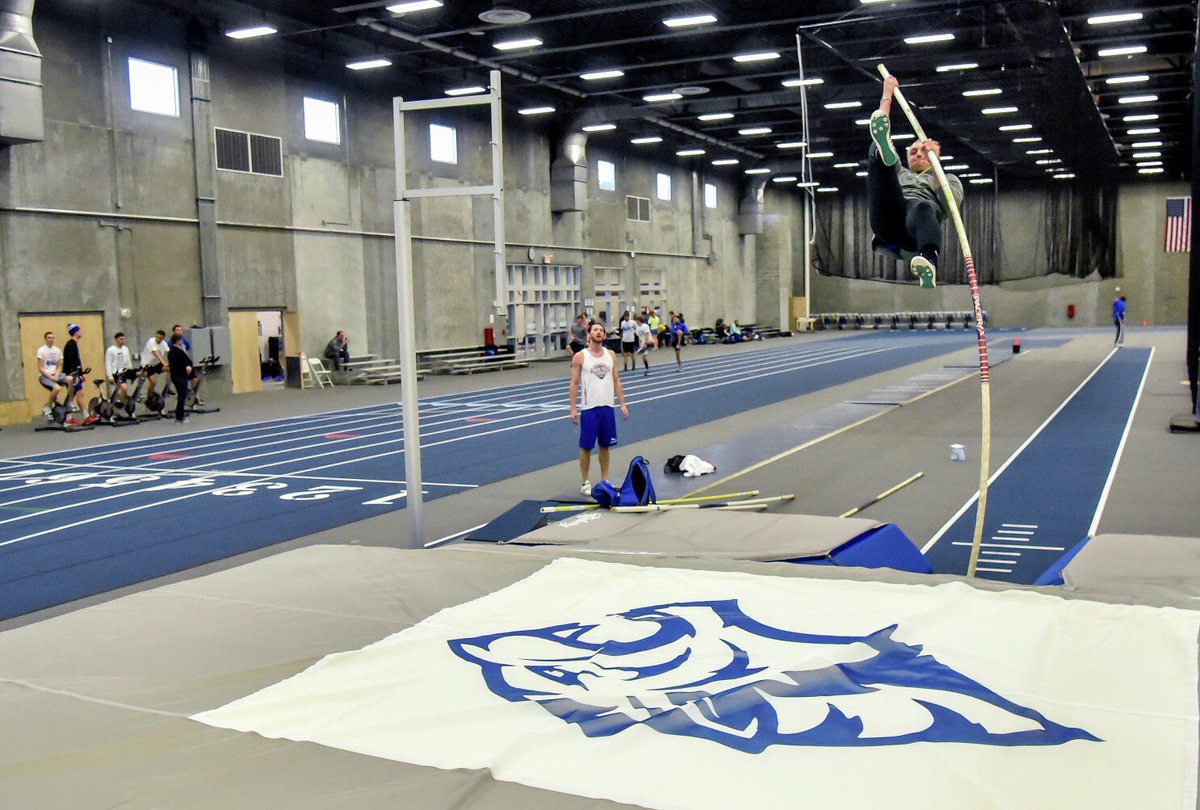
(1122, 561)
(710, 533)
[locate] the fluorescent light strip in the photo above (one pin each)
(1107, 19)
(369, 64)
(980, 181)
(465, 91)
(1146, 99)
(251, 33)
(714, 117)
(536, 110)
(903, 136)
(843, 105)
(1139, 155)
(1124, 50)
(414, 5)
(860, 174)
(791, 145)
(802, 82)
(650, 139)
(726, 162)
(1143, 131)
(787, 178)
(818, 155)
(1039, 151)
(1065, 176)
(1128, 79)
(861, 122)
(1048, 161)
(1148, 163)
(764, 56)
(959, 66)
(755, 131)
(1147, 144)
(517, 44)
(925, 39)
(956, 167)
(599, 75)
(1145, 117)
(599, 127)
(845, 165)
(1016, 127)
(826, 189)
(758, 171)
(654, 98)
(991, 91)
(808, 184)
(1150, 171)
(1028, 139)
(690, 152)
(684, 22)
(999, 110)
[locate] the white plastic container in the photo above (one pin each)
(958, 452)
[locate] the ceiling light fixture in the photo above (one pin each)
(1028, 139)
(980, 181)
(684, 22)
(802, 82)
(903, 136)
(845, 165)
(860, 174)
(1065, 176)
(369, 64)
(1146, 163)
(536, 110)
(690, 152)
(600, 75)
(1047, 161)
(760, 170)
(787, 178)
(1150, 171)
(1146, 99)
(414, 5)
(826, 189)
(763, 56)
(1147, 144)
(959, 66)
(714, 117)
(1128, 79)
(726, 162)
(1124, 50)
(1016, 127)
(925, 39)
(791, 145)
(1147, 154)
(755, 131)
(1142, 117)
(843, 105)
(861, 122)
(466, 91)
(649, 139)
(999, 110)
(1039, 151)
(657, 97)
(599, 127)
(956, 167)
(517, 44)
(1107, 19)
(251, 33)
(808, 184)
(817, 155)
(991, 91)
(1144, 131)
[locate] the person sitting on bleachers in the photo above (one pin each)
(735, 332)
(337, 351)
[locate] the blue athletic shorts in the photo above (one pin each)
(597, 424)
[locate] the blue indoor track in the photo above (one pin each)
(80, 522)
(1041, 504)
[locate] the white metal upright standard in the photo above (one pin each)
(405, 306)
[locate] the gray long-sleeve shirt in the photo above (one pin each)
(924, 186)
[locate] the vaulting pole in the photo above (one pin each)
(985, 401)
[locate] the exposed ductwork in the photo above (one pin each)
(569, 174)
(20, 75)
(750, 208)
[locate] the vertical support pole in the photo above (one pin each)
(211, 272)
(406, 323)
(500, 303)
(1192, 356)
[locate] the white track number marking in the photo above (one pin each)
(317, 493)
(186, 483)
(123, 480)
(249, 488)
(388, 500)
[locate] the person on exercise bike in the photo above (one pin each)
(118, 367)
(50, 374)
(906, 206)
(154, 357)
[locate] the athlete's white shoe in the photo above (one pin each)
(585, 488)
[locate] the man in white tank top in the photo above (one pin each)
(594, 384)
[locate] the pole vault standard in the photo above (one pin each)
(985, 400)
(405, 305)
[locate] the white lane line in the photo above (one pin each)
(1019, 525)
(994, 570)
(449, 537)
(1112, 471)
(1015, 532)
(1007, 553)
(1011, 539)
(1001, 545)
(975, 496)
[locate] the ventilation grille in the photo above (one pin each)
(637, 208)
(249, 153)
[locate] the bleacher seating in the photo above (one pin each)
(896, 320)
(467, 360)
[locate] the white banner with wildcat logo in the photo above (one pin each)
(673, 688)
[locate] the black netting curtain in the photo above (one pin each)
(1067, 228)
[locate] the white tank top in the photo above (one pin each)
(596, 380)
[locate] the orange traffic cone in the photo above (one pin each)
(1016, 345)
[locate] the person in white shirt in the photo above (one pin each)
(118, 365)
(154, 357)
(628, 329)
(50, 372)
(644, 340)
(594, 384)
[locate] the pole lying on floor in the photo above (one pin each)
(580, 507)
(985, 444)
(882, 495)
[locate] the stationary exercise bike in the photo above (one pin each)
(128, 407)
(60, 412)
(108, 408)
(194, 403)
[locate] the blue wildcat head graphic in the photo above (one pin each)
(707, 670)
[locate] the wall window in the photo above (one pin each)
(606, 174)
(664, 186)
(153, 88)
(637, 209)
(321, 121)
(710, 195)
(443, 144)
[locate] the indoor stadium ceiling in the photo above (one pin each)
(1019, 88)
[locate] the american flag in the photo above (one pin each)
(1179, 225)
